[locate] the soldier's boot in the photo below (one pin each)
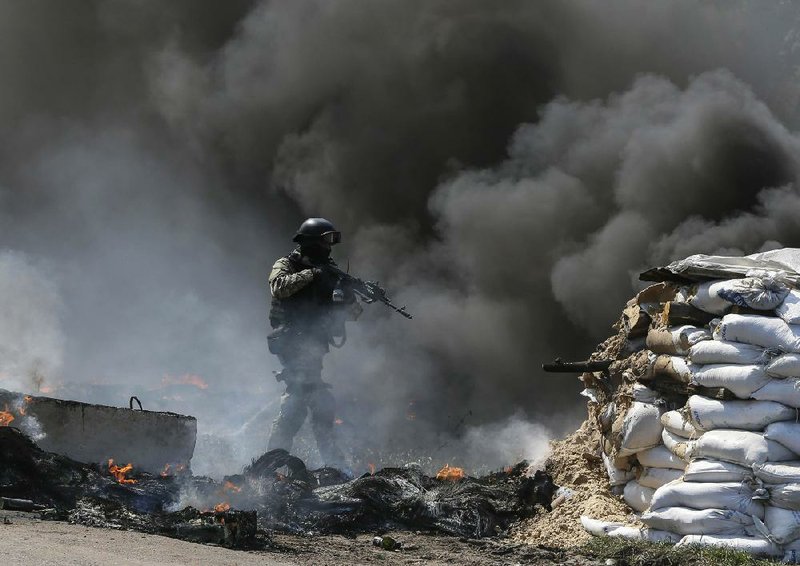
(323, 413)
(293, 411)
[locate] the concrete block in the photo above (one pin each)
(94, 433)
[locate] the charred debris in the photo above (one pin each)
(275, 493)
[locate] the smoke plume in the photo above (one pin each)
(505, 169)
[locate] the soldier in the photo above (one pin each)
(307, 315)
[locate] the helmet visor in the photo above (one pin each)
(332, 237)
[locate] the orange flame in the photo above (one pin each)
(5, 417)
(229, 486)
(371, 469)
(222, 507)
(120, 472)
(450, 474)
(185, 379)
(170, 470)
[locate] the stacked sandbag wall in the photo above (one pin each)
(699, 414)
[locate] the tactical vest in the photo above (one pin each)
(309, 309)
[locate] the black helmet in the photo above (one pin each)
(317, 229)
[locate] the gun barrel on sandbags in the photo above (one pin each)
(560, 366)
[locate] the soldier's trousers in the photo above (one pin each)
(296, 403)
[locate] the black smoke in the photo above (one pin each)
(505, 168)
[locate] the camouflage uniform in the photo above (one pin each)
(305, 320)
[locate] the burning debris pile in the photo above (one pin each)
(693, 407)
(275, 493)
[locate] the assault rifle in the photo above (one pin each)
(369, 291)
(560, 366)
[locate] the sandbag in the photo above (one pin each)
(792, 553)
(736, 496)
(764, 331)
(616, 476)
(719, 352)
(785, 495)
(785, 365)
(715, 471)
(675, 340)
(783, 525)
(606, 528)
(789, 309)
(637, 496)
(675, 422)
(656, 477)
(685, 521)
(716, 297)
(756, 546)
(680, 447)
(738, 446)
(641, 428)
(741, 380)
(787, 433)
(778, 472)
(785, 391)
(672, 367)
(644, 394)
(709, 414)
(660, 457)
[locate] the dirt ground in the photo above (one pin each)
(26, 540)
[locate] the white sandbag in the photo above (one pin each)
(679, 446)
(785, 495)
(716, 297)
(616, 476)
(709, 414)
(675, 422)
(778, 472)
(736, 496)
(644, 394)
(789, 309)
(756, 546)
(597, 527)
(792, 553)
(785, 391)
(715, 471)
(685, 521)
(719, 352)
(656, 477)
(783, 525)
(785, 365)
(741, 380)
(660, 457)
(706, 298)
(606, 528)
(641, 428)
(652, 535)
(739, 446)
(787, 433)
(637, 496)
(764, 331)
(688, 336)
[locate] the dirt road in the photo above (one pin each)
(25, 540)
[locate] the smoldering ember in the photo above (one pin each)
(399, 281)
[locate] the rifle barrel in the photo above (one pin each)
(577, 367)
